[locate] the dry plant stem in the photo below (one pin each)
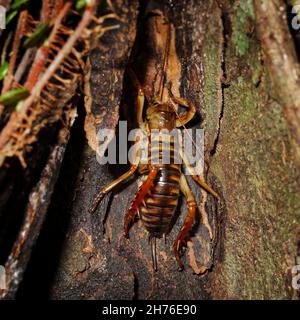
(59, 58)
(41, 57)
(26, 60)
(58, 7)
(35, 213)
(3, 59)
(21, 28)
(42, 53)
(67, 48)
(4, 50)
(46, 10)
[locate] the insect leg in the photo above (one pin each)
(206, 187)
(134, 165)
(189, 115)
(203, 184)
(188, 221)
(112, 185)
(139, 199)
(140, 100)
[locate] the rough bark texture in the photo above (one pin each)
(256, 157)
(233, 69)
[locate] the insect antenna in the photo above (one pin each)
(165, 61)
(163, 80)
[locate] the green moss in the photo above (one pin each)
(212, 86)
(241, 42)
(243, 12)
(261, 191)
(254, 164)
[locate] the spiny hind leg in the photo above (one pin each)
(138, 200)
(205, 186)
(112, 185)
(188, 221)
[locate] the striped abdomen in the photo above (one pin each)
(161, 201)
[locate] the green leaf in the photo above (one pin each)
(18, 4)
(38, 36)
(80, 4)
(12, 97)
(11, 16)
(3, 70)
(14, 9)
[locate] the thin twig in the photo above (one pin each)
(59, 57)
(4, 50)
(50, 72)
(42, 53)
(21, 28)
(46, 10)
(25, 62)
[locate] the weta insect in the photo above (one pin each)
(156, 201)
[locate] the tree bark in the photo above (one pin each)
(236, 61)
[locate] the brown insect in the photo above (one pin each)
(156, 201)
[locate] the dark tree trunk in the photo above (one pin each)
(236, 61)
